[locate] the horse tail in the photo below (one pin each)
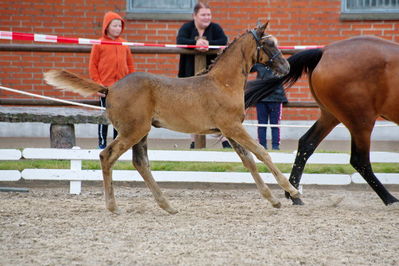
(63, 79)
(300, 63)
(256, 90)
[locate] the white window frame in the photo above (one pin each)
(159, 13)
(370, 10)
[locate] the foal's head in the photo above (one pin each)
(268, 52)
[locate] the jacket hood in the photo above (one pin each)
(108, 17)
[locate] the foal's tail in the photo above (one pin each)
(300, 63)
(63, 79)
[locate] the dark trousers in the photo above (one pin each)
(103, 129)
(269, 113)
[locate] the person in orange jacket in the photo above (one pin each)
(109, 63)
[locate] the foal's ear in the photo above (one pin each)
(260, 29)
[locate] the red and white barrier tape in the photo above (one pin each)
(10, 35)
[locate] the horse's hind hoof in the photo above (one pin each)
(392, 201)
(297, 201)
(393, 205)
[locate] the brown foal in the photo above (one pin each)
(212, 102)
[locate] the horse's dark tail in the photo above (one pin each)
(258, 89)
(302, 62)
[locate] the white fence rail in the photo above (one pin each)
(76, 174)
(10, 155)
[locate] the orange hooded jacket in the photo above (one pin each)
(110, 63)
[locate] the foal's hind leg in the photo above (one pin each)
(250, 164)
(141, 163)
(240, 135)
(307, 144)
(360, 160)
(108, 157)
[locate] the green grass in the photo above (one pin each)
(194, 166)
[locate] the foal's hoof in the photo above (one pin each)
(297, 201)
(295, 198)
(112, 208)
(171, 210)
(277, 205)
(114, 211)
(164, 204)
(297, 195)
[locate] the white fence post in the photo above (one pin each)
(75, 187)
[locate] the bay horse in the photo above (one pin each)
(354, 81)
(212, 102)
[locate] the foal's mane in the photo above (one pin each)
(220, 54)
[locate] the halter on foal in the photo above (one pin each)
(204, 104)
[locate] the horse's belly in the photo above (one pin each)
(185, 126)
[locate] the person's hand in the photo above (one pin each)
(202, 42)
(100, 94)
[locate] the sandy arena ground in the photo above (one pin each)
(214, 226)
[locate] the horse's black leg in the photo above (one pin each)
(141, 163)
(360, 160)
(306, 146)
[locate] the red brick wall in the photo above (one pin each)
(298, 22)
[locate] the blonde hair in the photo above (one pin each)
(200, 5)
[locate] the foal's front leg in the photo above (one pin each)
(240, 135)
(141, 163)
(250, 164)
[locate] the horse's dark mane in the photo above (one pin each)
(220, 53)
